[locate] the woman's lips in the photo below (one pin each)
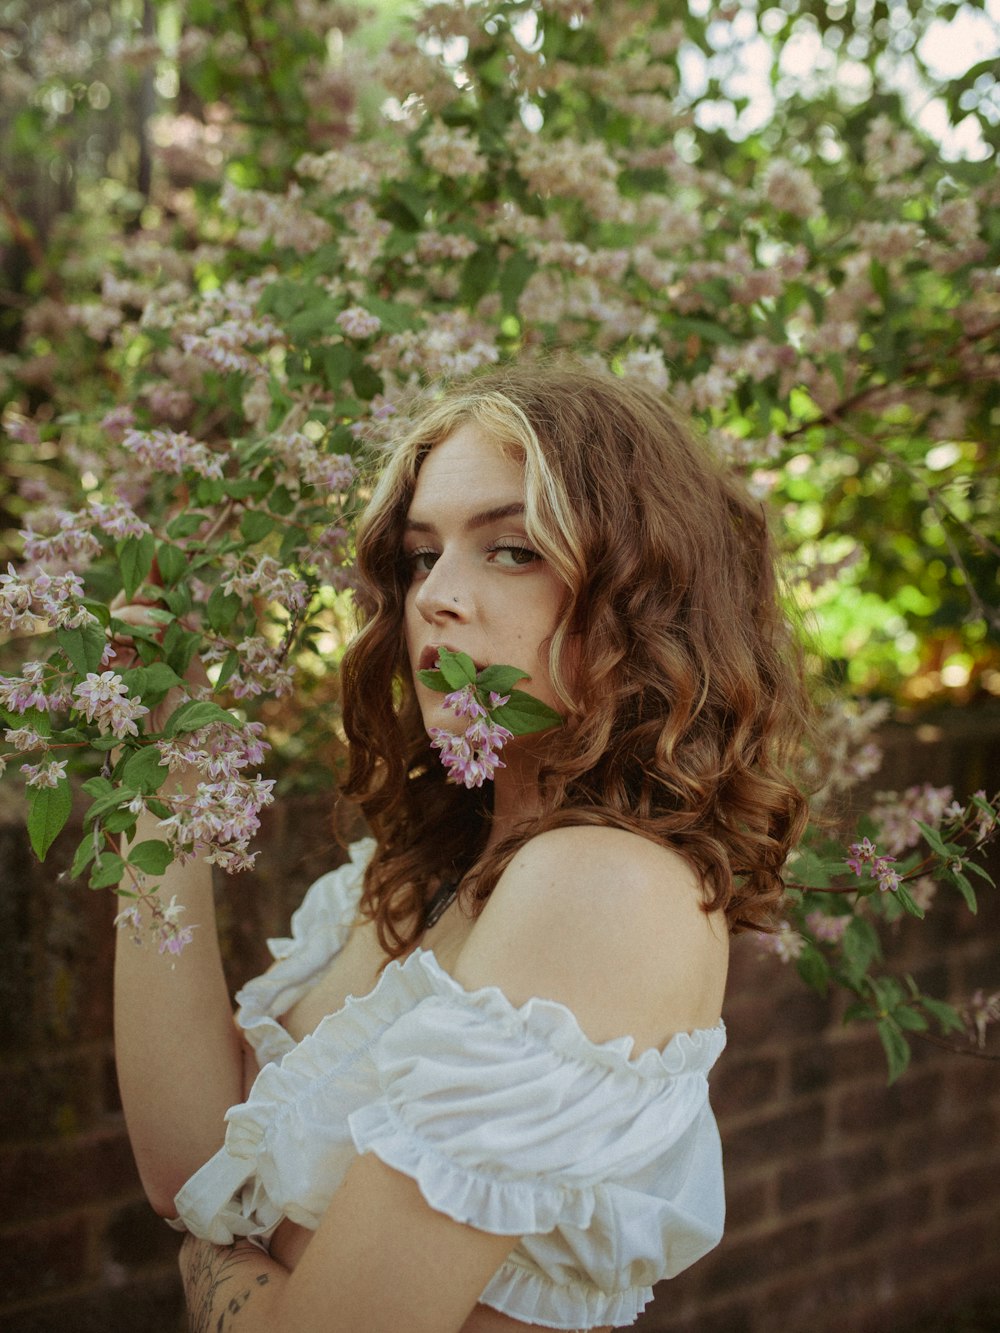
(429, 656)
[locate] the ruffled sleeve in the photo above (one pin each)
(320, 928)
(513, 1121)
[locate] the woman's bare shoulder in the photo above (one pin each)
(610, 924)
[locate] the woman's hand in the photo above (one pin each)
(221, 1281)
(142, 615)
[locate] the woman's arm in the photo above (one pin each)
(178, 1052)
(381, 1259)
(179, 1056)
(600, 920)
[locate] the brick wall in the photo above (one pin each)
(851, 1205)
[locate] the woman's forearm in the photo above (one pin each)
(178, 1053)
(229, 1289)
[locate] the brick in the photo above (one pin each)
(761, 1019)
(742, 1266)
(938, 1143)
(822, 1299)
(136, 1238)
(740, 1085)
(830, 1177)
(43, 1258)
(46, 1179)
(154, 1305)
(775, 1136)
(877, 1105)
(877, 1218)
(971, 1188)
(747, 1201)
(52, 1094)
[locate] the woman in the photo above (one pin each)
(507, 1127)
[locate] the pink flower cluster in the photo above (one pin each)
(219, 820)
(785, 943)
(223, 815)
(103, 698)
(897, 816)
(170, 935)
(473, 757)
(54, 598)
(864, 856)
(19, 693)
(267, 579)
(172, 451)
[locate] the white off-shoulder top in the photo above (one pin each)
(608, 1165)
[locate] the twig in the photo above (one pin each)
(956, 1050)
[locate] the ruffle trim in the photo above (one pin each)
(503, 1207)
(557, 1026)
(521, 1293)
(319, 930)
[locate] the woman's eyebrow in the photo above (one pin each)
(480, 519)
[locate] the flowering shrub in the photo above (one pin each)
(186, 396)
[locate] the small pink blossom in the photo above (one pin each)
(829, 929)
(358, 323)
(103, 698)
(25, 738)
(785, 943)
(45, 775)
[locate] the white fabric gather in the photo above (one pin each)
(512, 1120)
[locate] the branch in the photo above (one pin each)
(260, 55)
(946, 1045)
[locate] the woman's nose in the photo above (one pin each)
(444, 593)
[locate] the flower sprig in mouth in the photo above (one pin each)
(494, 711)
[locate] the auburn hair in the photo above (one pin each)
(680, 679)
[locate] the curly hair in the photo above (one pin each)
(684, 707)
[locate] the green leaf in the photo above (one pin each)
(145, 770)
(108, 869)
(150, 684)
(135, 559)
(478, 277)
(153, 856)
(905, 897)
(222, 609)
(434, 680)
(98, 787)
(934, 840)
(861, 947)
(946, 1015)
(111, 800)
(255, 526)
(458, 669)
(195, 714)
(813, 968)
(48, 811)
(229, 664)
(85, 853)
(525, 714)
(280, 501)
(499, 679)
(119, 821)
(896, 1047)
(909, 1018)
(185, 525)
(84, 647)
(172, 563)
(965, 888)
(513, 279)
(981, 871)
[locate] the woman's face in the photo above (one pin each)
(476, 585)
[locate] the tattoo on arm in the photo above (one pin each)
(218, 1280)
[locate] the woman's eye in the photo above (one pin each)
(420, 562)
(514, 557)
